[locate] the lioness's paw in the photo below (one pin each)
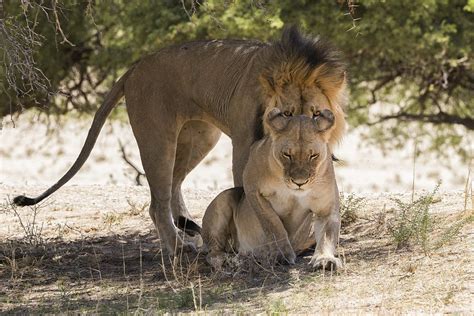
(326, 262)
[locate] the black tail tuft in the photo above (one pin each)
(188, 226)
(22, 200)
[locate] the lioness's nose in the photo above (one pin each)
(299, 182)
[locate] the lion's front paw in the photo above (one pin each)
(289, 257)
(185, 247)
(286, 254)
(180, 246)
(326, 262)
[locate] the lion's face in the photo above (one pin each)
(296, 89)
(298, 146)
(302, 100)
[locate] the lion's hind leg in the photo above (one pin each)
(217, 226)
(156, 136)
(195, 140)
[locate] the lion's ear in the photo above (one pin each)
(331, 80)
(274, 120)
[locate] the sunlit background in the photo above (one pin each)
(32, 155)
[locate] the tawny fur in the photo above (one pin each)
(181, 98)
(289, 199)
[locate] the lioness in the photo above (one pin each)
(289, 183)
(180, 99)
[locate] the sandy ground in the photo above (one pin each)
(97, 252)
(91, 248)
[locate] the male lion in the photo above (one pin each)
(180, 99)
(289, 183)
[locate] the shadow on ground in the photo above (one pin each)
(121, 273)
(129, 273)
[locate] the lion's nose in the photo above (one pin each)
(299, 182)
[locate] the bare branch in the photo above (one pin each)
(439, 118)
(18, 44)
(58, 24)
(382, 82)
(193, 8)
(131, 164)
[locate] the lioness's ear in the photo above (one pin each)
(273, 120)
(324, 121)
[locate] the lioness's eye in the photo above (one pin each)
(287, 113)
(314, 156)
(287, 155)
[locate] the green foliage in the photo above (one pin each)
(410, 60)
(350, 207)
(412, 224)
(453, 230)
(277, 307)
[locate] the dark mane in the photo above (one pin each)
(299, 50)
(300, 62)
(315, 51)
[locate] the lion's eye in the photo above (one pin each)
(287, 113)
(316, 114)
(287, 156)
(313, 156)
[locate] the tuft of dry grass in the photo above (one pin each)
(350, 207)
(136, 209)
(32, 229)
(112, 218)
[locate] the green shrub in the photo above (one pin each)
(412, 223)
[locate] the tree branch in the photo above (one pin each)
(439, 118)
(131, 164)
(382, 82)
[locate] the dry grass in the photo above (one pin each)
(350, 207)
(124, 271)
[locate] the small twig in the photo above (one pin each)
(414, 171)
(58, 24)
(191, 285)
(98, 264)
(164, 270)
(193, 9)
(131, 164)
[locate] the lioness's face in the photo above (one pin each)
(301, 161)
(299, 148)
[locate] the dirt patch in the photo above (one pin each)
(96, 251)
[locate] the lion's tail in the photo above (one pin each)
(115, 94)
(187, 225)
